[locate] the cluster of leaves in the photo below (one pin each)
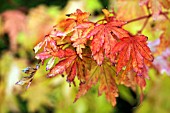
(101, 52)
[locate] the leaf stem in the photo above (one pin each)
(146, 21)
(100, 21)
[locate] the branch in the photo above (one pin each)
(143, 17)
(139, 18)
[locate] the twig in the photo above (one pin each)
(139, 18)
(143, 17)
(146, 21)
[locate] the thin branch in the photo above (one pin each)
(139, 18)
(143, 17)
(146, 21)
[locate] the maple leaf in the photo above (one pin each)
(77, 27)
(105, 37)
(108, 84)
(134, 47)
(60, 67)
(129, 78)
(72, 65)
(104, 74)
(50, 49)
(48, 43)
(90, 80)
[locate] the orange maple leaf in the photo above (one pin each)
(103, 74)
(108, 84)
(91, 79)
(77, 27)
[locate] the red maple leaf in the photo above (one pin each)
(73, 66)
(133, 50)
(61, 67)
(105, 37)
(66, 56)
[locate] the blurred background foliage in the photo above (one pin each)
(23, 23)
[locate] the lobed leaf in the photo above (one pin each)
(90, 80)
(77, 27)
(105, 36)
(135, 48)
(104, 75)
